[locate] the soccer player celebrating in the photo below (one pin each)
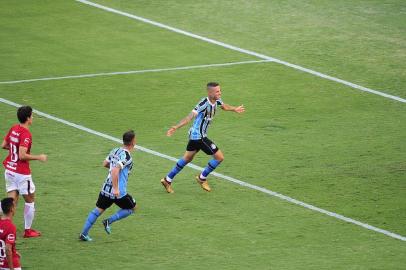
(9, 259)
(18, 142)
(204, 113)
(114, 190)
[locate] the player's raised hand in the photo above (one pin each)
(171, 131)
(43, 158)
(239, 109)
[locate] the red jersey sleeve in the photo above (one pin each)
(25, 139)
(7, 137)
(11, 236)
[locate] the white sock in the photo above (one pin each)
(168, 179)
(29, 211)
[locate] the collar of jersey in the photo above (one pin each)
(122, 148)
(210, 102)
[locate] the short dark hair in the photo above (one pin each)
(212, 84)
(128, 137)
(6, 205)
(23, 113)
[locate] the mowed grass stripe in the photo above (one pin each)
(61, 29)
(225, 177)
(231, 228)
(241, 50)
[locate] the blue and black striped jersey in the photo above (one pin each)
(118, 157)
(205, 112)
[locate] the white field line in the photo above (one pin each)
(231, 47)
(136, 71)
(219, 175)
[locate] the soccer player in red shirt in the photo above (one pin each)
(9, 257)
(18, 142)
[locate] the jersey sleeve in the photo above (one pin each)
(7, 137)
(11, 236)
(25, 139)
(111, 158)
(200, 107)
(219, 102)
(121, 160)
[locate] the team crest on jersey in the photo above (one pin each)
(11, 237)
(213, 146)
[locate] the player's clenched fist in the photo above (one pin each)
(43, 158)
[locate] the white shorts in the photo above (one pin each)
(19, 268)
(21, 182)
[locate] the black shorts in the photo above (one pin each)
(126, 202)
(204, 144)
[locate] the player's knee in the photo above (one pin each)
(219, 157)
(30, 198)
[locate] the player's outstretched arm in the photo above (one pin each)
(182, 122)
(238, 109)
(23, 155)
(5, 145)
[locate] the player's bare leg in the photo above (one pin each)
(218, 157)
(188, 156)
(29, 198)
(167, 181)
(29, 213)
(15, 195)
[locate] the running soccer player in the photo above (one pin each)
(9, 257)
(18, 142)
(114, 189)
(204, 113)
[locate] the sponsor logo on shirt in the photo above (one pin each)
(11, 237)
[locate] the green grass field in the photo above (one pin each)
(312, 139)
